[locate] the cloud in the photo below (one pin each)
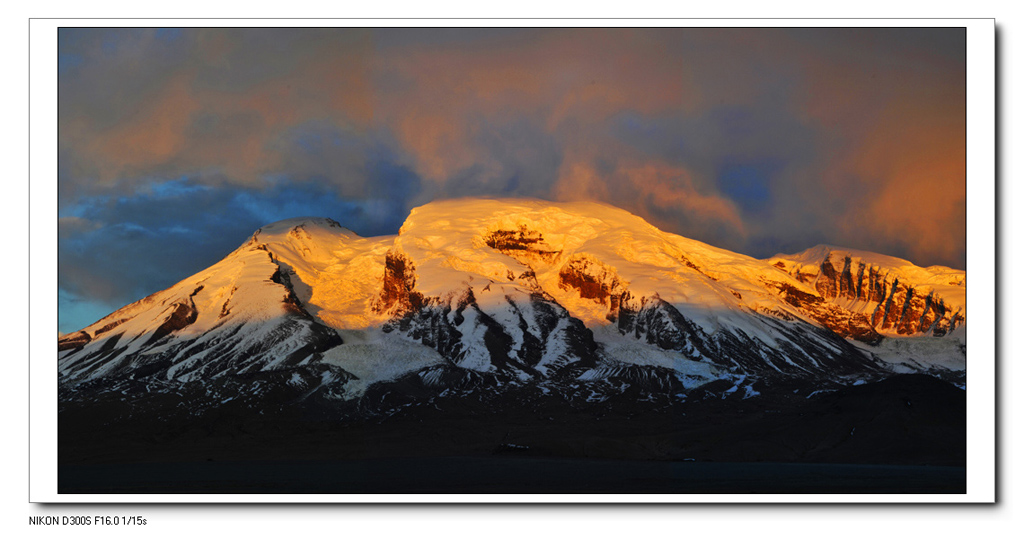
(137, 106)
(665, 195)
(918, 190)
(436, 96)
(895, 110)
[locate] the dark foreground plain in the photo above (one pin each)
(507, 475)
(904, 435)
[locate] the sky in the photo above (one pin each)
(175, 145)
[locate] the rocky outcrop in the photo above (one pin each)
(657, 322)
(860, 300)
(800, 349)
(290, 341)
(593, 280)
(398, 294)
(527, 334)
(521, 331)
(181, 315)
(902, 307)
(525, 245)
(849, 324)
(73, 341)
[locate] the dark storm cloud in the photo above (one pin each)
(756, 140)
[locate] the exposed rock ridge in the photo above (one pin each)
(861, 299)
(398, 294)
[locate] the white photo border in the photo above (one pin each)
(981, 181)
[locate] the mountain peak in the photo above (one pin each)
(285, 226)
(528, 288)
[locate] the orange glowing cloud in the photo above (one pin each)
(199, 118)
(579, 181)
(920, 170)
(581, 77)
(654, 191)
(901, 125)
(153, 134)
(672, 188)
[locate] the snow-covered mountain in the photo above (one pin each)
(506, 293)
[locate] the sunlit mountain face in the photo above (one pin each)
(525, 310)
(528, 289)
